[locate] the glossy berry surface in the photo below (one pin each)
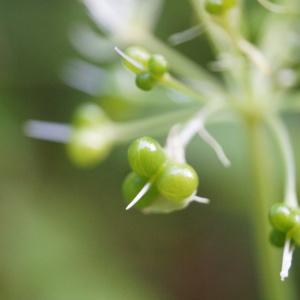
(138, 54)
(87, 147)
(281, 217)
(177, 182)
(214, 7)
(146, 156)
(157, 65)
(89, 114)
(132, 185)
(145, 81)
(218, 7)
(277, 238)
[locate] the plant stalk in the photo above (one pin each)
(267, 258)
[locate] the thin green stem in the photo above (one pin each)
(268, 261)
(154, 125)
(171, 82)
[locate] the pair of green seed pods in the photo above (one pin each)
(153, 67)
(285, 222)
(173, 181)
(90, 140)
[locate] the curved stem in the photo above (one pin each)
(285, 146)
(267, 258)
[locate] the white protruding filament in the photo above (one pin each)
(187, 35)
(287, 259)
(49, 131)
(129, 59)
(213, 143)
(201, 200)
(140, 195)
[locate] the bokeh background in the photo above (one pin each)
(64, 233)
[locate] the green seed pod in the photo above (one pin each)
(145, 81)
(146, 156)
(89, 114)
(132, 185)
(138, 54)
(277, 238)
(157, 65)
(295, 234)
(89, 146)
(281, 217)
(176, 182)
(219, 7)
(214, 7)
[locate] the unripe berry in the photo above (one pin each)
(281, 217)
(139, 55)
(89, 146)
(177, 182)
(145, 81)
(219, 7)
(89, 114)
(157, 65)
(146, 156)
(132, 185)
(277, 238)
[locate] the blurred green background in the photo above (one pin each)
(64, 232)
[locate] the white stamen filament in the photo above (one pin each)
(129, 59)
(49, 131)
(287, 259)
(201, 200)
(213, 143)
(288, 157)
(140, 195)
(185, 36)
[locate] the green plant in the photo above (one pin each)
(259, 84)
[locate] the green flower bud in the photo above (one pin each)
(145, 81)
(157, 65)
(281, 217)
(138, 54)
(277, 238)
(177, 182)
(133, 185)
(146, 156)
(89, 114)
(89, 146)
(218, 7)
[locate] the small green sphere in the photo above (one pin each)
(138, 54)
(281, 217)
(219, 7)
(146, 156)
(132, 185)
(87, 146)
(158, 65)
(145, 81)
(89, 114)
(176, 182)
(214, 7)
(295, 234)
(277, 238)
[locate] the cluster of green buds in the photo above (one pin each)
(149, 68)
(286, 224)
(91, 136)
(158, 183)
(219, 7)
